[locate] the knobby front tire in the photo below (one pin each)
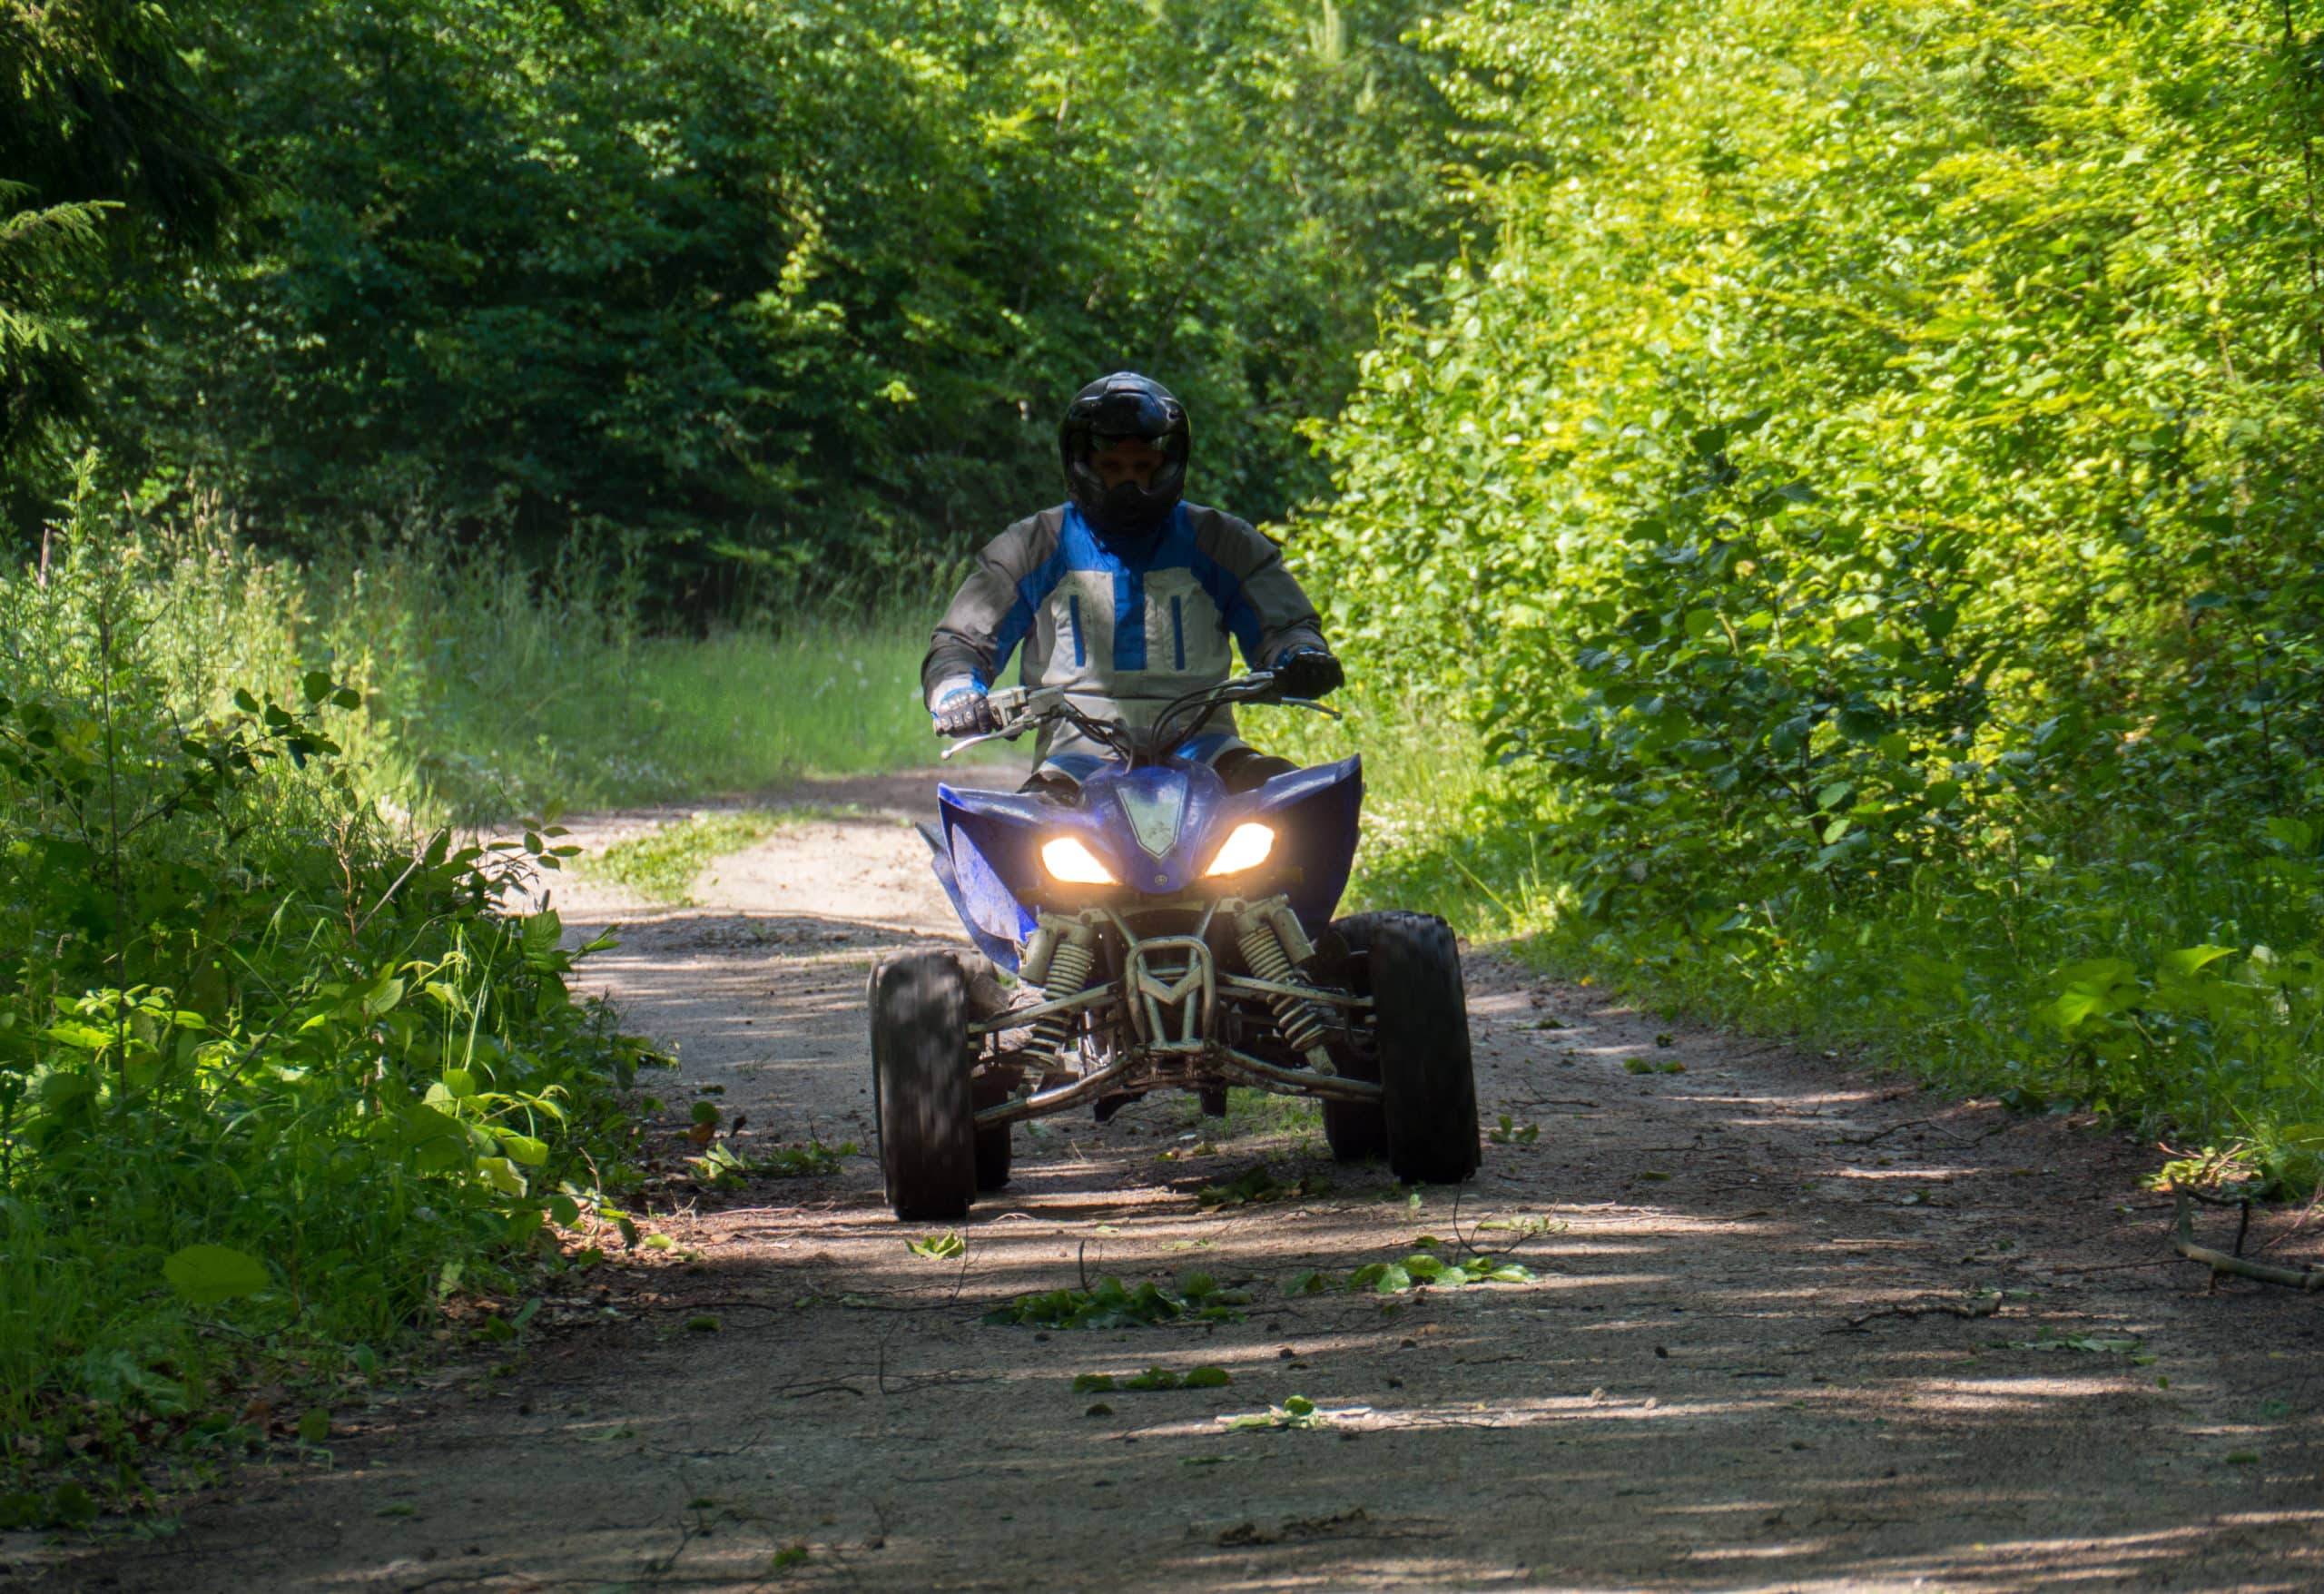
(1427, 1079)
(920, 1075)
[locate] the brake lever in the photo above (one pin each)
(1009, 733)
(1321, 708)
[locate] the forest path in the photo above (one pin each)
(1781, 1335)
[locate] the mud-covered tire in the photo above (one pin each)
(920, 1078)
(994, 1152)
(1358, 1130)
(1421, 1020)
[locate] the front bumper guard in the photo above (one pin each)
(1169, 991)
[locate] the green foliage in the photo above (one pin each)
(1199, 1299)
(797, 290)
(1251, 1111)
(41, 355)
(203, 1275)
(1296, 1411)
(723, 1167)
(101, 137)
(1420, 1270)
(276, 1074)
(488, 690)
(1861, 506)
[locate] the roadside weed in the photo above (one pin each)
(1297, 1411)
(1420, 1270)
(1111, 1304)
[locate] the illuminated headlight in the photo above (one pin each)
(1247, 848)
(1073, 863)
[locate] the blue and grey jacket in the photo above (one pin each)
(1123, 623)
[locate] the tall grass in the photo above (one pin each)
(277, 1070)
(496, 690)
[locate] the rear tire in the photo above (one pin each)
(1358, 1130)
(1427, 1080)
(919, 1076)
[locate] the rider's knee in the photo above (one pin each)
(1246, 769)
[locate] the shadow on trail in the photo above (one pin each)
(1773, 1342)
(1668, 1405)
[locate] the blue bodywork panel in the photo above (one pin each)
(1155, 829)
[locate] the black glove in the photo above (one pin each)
(1308, 672)
(964, 712)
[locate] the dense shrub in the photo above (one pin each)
(274, 1071)
(1867, 498)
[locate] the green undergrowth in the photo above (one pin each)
(2166, 979)
(1257, 1185)
(490, 688)
(1420, 1270)
(654, 719)
(283, 1078)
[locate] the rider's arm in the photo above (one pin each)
(1266, 609)
(989, 615)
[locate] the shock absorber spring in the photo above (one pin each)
(1068, 972)
(1301, 1025)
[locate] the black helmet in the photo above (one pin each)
(1124, 404)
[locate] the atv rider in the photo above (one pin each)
(1126, 597)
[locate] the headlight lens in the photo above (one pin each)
(1247, 848)
(1073, 863)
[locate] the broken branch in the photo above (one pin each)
(2182, 1240)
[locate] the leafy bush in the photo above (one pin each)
(275, 1074)
(1864, 500)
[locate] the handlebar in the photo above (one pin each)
(1021, 709)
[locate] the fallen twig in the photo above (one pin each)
(709, 1305)
(1983, 1304)
(1884, 1134)
(2182, 1240)
(2114, 1266)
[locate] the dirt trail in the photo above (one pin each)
(1779, 1339)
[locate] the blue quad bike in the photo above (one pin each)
(1164, 934)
